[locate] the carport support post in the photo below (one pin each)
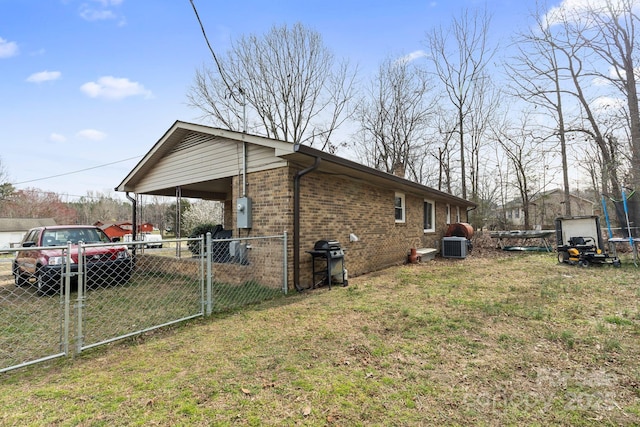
(208, 273)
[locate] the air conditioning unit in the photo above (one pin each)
(454, 247)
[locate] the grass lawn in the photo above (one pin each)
(506, 339)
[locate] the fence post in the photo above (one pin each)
(285, 287)
(81, 296)
(65, 288)
(209, 274)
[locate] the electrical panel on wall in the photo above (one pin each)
(244, 212)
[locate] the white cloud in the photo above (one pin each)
(600, 81)
(101, 11)
(96, 15)
(91, 134)
(56, 137)
(7, 48)
(413, 56)
(110, 87)
(107, 3)
(44, 76)
(605, 103)
(574, 9)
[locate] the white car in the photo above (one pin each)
(149, 240)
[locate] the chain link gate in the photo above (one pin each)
(161, 290)
(32, 326)
(88, 306)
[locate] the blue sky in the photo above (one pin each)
(85, 85)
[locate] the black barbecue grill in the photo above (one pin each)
(327, 263)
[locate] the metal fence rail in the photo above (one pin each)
(89, 306)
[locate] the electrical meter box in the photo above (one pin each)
(243, 206)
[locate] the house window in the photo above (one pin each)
(400, 208)
(429, 216)
(457, 213)
(448, 213)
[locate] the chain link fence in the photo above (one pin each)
(103, 297)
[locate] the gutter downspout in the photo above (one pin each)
(469, 210)
(296, 222)
(134, 232)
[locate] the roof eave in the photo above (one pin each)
(312, 152)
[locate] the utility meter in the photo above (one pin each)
(243, 206)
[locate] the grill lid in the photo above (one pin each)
(326, 245)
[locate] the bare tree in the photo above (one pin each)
(484, 111)
(6, 188)
(558, 62)
(394, 118)
(445, 151)
(285, 85)
(570, 41)
(460, 56)
(97, 206)
(522, 148)
(613, 38)
(536, 77)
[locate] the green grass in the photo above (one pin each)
(515, 339)
(31, 325)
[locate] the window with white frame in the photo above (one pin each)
(448, 219)
(400, 208)
(429, 216)
(457, 213)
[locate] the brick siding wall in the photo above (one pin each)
(333, 207)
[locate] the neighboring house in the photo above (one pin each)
(309, 193)
(545, 208)
(12, 230)
(119, 229)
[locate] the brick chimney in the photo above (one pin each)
(398, 169)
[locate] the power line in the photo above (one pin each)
(78, 171)
(215, 58)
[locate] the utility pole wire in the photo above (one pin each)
(76, 171)
(215, 58)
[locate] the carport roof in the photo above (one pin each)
(295, 154)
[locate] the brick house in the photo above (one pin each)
(544, 208)
(309, 193)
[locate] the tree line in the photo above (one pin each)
(457, 116)
(107, 208)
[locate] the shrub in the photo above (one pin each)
(198, 231)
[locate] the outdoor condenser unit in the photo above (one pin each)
(454, 247)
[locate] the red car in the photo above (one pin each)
(42, 257)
